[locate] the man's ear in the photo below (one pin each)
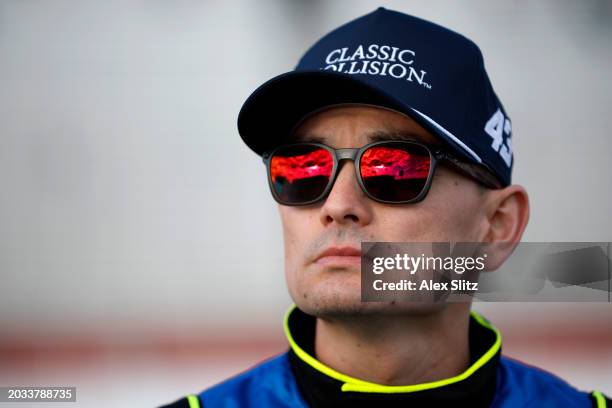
(507, 212)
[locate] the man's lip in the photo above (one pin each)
(346, 254)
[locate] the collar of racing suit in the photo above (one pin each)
(322, 386)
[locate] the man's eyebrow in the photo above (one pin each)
(376, 136)
(309, 138)
(384, 135)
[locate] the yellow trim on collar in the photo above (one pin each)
(357, 385)
(193, 400)
(601, 401)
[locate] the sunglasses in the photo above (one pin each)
(393, 172)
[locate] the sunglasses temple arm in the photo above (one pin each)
(481, 174)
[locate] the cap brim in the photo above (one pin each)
(271, 112)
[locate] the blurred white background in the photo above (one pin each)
(141, 253)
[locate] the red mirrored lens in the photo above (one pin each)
(300, 173)
(395, 172)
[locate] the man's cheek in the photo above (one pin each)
(420, 227)
(293, 243)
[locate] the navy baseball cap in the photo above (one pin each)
(394, 60)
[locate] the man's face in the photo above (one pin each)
(330, 285)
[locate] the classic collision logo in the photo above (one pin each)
(375, 59)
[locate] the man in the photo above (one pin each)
(386, 94)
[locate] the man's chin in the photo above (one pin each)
(337, 293)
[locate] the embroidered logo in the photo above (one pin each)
(375, 59)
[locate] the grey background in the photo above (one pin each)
(129, 201)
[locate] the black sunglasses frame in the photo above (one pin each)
(436, 153)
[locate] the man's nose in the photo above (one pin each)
(346, 202)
